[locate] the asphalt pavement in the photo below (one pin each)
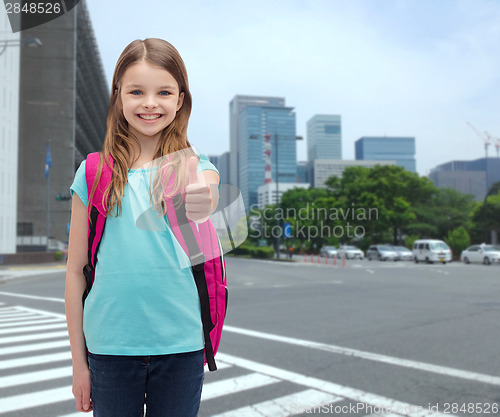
(301, 338)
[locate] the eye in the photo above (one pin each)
(164, 93)
(136, 91)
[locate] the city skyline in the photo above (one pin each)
(413, 68)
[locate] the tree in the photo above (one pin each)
(393, 191)
(486, 216)
(444, 210)
(458, 240)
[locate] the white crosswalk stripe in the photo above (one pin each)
(33, 347)
(230, 386)
(29, 322)
(35, 360)
(15, 315)
(288, 405)
(33, 328)
(19, 319)
(35, 399)
(26, 338)
(24, 344)
(30, 377)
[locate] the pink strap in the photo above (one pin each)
(91, 166)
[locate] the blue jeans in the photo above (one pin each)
(169, 385)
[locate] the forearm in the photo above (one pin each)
(75, 285)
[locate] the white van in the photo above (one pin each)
(431, 250)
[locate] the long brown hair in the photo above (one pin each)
(119, 140)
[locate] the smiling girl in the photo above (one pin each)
(138, 340)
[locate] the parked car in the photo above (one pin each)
(431, 250)
(404, 254)
(350, 252)
(328, 251)
(382, 253)
(487, 254)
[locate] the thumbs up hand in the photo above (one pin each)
(198, 195)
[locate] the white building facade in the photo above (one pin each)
(9, 133)
(320, 170)
(267, 192)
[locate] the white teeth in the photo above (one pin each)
(149, 117)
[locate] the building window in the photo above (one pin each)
(333, 129)
(25, 229)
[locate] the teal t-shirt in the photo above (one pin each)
(144, 299)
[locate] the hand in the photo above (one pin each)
(81, 389)
(198, 195)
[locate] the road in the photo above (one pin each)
(373, 338)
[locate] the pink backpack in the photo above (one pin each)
(201, 245)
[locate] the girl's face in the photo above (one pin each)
(150, 98)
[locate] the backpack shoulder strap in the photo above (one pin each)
(97, 212)
(184, 231)
(91, 167)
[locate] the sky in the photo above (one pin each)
(421, 68)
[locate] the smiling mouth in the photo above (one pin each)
(150, 116)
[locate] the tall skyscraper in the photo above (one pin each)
(399, 149)
(254, 122)
(237, 104)
(324, 137)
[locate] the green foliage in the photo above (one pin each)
(247, 249)
(263, 252)
(58, 255)
(445, 210)
(243, 249)
(410, 240)
(386, 203)
(485, 216)
(458, 240)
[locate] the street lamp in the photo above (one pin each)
(30, 42)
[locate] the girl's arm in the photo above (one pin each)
(75, 285)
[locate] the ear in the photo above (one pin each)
(180, 101)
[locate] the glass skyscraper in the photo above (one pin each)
(254, 123)
(324, 137)
(237, 104)
(399, 149)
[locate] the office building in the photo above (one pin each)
(324, 137)
(9, 131)
(469, 177)
(320, 170)
(63, 99)
(221, 162)
(302, 172)
(255, 122)
(267, 192)
(399, 149)
(237, 104)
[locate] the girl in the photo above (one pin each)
(141, 322)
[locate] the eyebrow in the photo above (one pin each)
(140, 86)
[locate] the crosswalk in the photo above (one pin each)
(35, 379)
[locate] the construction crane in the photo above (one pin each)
(486, 138)
(495, 142)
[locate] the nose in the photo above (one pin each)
(150, 101)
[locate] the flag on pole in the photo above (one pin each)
(48, 161)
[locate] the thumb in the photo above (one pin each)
(192, 167)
